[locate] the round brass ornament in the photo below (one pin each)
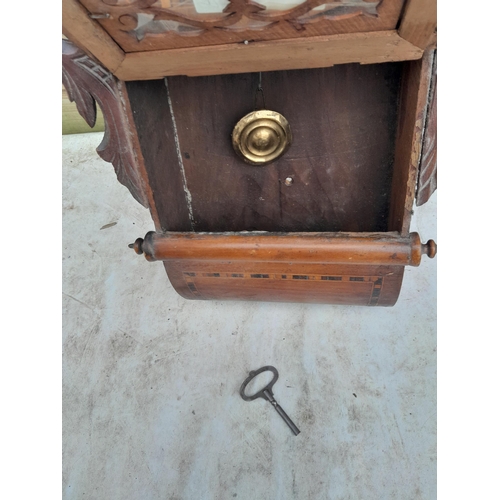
(261, 137)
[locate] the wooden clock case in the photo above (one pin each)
(328, 222)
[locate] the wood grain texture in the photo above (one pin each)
(419, 21)
(343, 121)
(299, 248)
(347, 269)
(233, 25)
(313, 52)
(131, 133)
(362, 285)
(156, 134)
(427, 173)
(89, 36)
(86, 82)
(412, 111)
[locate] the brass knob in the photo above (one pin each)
(261, 137)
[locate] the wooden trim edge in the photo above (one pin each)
(314, 52)
(413, 108)
(89, 36)
(419, 22)
(133, 138)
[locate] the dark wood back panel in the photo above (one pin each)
(343, 122)
(157, 136)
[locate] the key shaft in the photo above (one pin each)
(282, 413)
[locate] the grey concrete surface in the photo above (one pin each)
(151, 408)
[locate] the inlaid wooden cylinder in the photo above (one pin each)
(337, 268)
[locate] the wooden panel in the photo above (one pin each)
(412, 110)
(89, 36)
(156, 134)
(427, 174)
(343, 121)
(419, 22)
(313, 283)
(234, 24)
(314, 52)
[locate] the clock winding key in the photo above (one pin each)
(267, 394)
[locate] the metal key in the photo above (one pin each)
(267, 394)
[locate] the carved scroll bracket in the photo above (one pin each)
(427, 178)
(86, 82)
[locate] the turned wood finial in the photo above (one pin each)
(145, 246)
(137, 246)
(429, 249)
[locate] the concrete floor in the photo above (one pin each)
(151, 408)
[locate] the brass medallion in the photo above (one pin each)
(261, 137)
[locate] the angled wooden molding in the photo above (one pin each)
(311, 52)
(254, 56)
(419, 22)
(86, 82)
(89, 36)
